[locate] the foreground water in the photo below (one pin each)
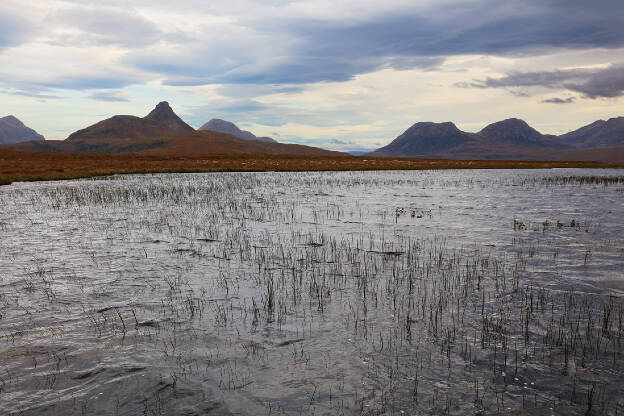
(456, 292)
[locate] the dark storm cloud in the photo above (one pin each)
(338, 50)
(592, 83)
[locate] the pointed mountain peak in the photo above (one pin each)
(164, 114)
(162, 109)
(12, 119)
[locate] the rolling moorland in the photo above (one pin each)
(162, 142)
(18, 166)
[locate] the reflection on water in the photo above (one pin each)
(457, 292)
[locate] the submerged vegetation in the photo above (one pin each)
(317, 293)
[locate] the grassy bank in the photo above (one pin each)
(27, 166)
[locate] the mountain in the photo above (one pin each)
(425, 138)
(189, 143)
(163, 133)
(164, 115)
(160, 122)
(126, 127)
(12, 130)
(518, 132)
(598, 134)
(511, 139)
(227, 127)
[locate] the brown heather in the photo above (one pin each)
(18, 166)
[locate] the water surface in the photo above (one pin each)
(433, 292)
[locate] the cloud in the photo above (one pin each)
(250, 90)
(557, 100)
(251, 111)
(281, 42)
(14, 30)
(33, 94)
(50, 87)
(605, 83)
(110, 96)
(341, 142)
(549, 79)
(69, 81)
(95, 26)
(591, 82)
(293, 49)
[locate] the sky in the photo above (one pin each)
(341, 74)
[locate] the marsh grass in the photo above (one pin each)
(256, 284)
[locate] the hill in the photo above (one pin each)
(12, 130)
(227, 127)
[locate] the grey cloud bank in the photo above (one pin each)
(313, 50)
(592, 83)
(300, 49)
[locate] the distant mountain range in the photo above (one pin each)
(12, 130)
(508, 139)
(162, 132)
